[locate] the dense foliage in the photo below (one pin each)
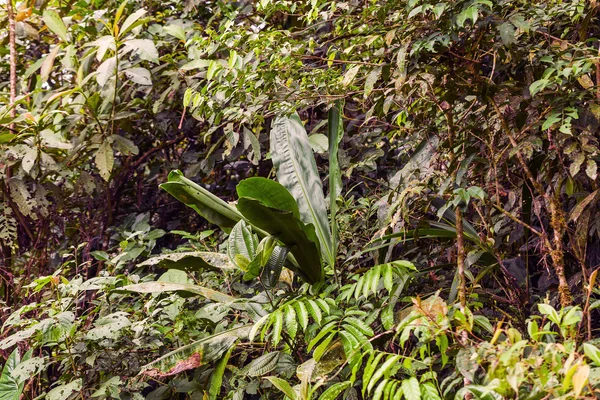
(299, 199)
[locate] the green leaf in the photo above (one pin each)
(553, 118)
(292, 232)
(371, 79)
(241, 242)
(132, 21)
(507, 33)
(297, 171)
(55, 23)
(28, 368)
(385, 367)
(335, 131)
(268, 192)
(106, 70)
(191, 261)
(471, 13)
(196, 354)
(176, 31)
(206, 204)
(272, 271)
(6, 137)
(65, 391)
(350, 75)
(318, 142)
(28, 160)
(105, 160)
(592, 352)
(335, 390)
(145, 48)
(162, 287)
(263, 364)
(547, 309)
(10, 387)
(138, 75)
(538, 86)
(48, 63)
(216, 379)
(410, 388)
(283, 386)
(429, 391)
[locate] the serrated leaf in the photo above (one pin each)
(291, 324)
(314, 310)
(381, 370)
(302, 314)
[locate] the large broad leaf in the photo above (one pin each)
(191, 261)
(336, 132)
(270, 193)
(297, 171)
(196, 354)
(181, 288)
(202, 201)
(293, 233)
(10, 386)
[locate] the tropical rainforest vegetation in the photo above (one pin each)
(307, 199)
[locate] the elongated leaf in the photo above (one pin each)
(196, 354)
(183, 288)
(132, 21)
(55, 23)
(300, 238)
(202, 201)
(263, 364)
(272, 270)
(334, 390)
(10, 387)
(191, 261)
(283, 386)
(336, 132)
(297, 171)
(216, 379)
